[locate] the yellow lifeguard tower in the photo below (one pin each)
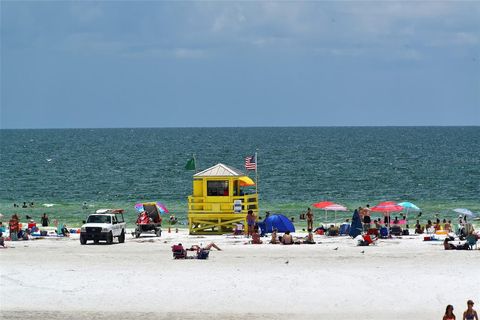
(220, 201)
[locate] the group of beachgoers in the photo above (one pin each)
(469, 314)
(18, 232)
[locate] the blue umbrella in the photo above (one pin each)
(279, 222)
(356, 227)
(409, 206)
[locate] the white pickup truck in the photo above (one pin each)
(104, 224)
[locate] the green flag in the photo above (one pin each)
(190, 164)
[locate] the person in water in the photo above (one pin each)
(45, 220)
(470, 313)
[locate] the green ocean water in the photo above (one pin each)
(437, 168)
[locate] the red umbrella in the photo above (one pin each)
(387, 207)
(323, 204)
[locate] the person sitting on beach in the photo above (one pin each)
(309, 238)
(437, 225)
(64, 231)
(395, 221)
(332, 231)
(429, 226)
(274, 239)
(418, 228)
(470, 313)
(287, 238)
(2, 240)
(447, 225)
(238, 230)
(256, 237)
(449, 246)
(377, 224)
(449, 313)
(27, 235)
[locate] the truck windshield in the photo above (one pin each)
(99, 219)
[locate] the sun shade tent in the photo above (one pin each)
(279, 222)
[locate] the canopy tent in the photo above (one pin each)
(279, 222)
(329, 206)
(356, 226)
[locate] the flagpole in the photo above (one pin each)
(256, 174)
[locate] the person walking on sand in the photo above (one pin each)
(309, 219)
(449, 313)
(470, 313)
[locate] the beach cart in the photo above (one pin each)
(149, 220)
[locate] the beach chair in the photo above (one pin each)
(383, 232)
(179, 252)
(344, 229)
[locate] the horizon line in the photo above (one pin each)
(250, 127)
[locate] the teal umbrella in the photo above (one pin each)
(408, 206)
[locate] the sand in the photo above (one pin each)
(403, 278)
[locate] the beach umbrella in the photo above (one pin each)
(329, 206)
(465, 212)
(408, 206)
(356, 226)
(279, 222)
(160, 206)
(387, 208)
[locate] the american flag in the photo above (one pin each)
(251, 162)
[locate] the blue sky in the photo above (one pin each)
(181, 64)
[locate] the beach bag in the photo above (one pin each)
(203, 254)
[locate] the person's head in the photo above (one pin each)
(250, 211)
(418, 221)
(308, 209)
(44, 214)
(287, 232)
(444, 221)
(438, 220)
(449, 221)
(429, 221)
(470, 304)
(449, 310)
(368, 206)
(275, 230)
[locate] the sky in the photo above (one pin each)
(233, 64)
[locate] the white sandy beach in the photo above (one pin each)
(396, 279)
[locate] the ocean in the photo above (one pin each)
(437, 168)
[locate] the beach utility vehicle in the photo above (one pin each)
(149, 220)
(104, 224)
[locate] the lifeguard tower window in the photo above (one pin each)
(217, 188)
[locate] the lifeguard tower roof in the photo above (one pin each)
(220, 170)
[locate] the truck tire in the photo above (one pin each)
(158, 232)
(110, 238)
(121, 237)
(83, 240)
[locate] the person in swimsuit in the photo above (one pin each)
(309, 219)
(207, 247)
(274, 239)
(449, 313)
(250, 222)
(287, 238)
(470, 313)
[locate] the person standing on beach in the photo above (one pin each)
(250, 223)
(449, 313)
(470, 313)
(45, 220)
(309, 219)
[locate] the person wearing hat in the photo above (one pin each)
(470, 313)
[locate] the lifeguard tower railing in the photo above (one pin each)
(218, 215)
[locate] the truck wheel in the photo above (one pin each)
(158, 232)
(83, 240)
(137, 234)
(110, 238)
(95, 241)
(121, 237)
